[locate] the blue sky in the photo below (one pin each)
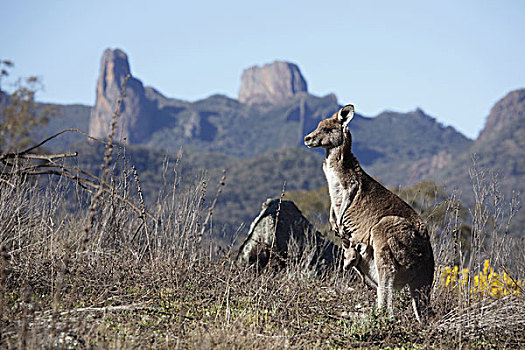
(453, 59)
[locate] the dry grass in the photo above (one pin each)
(108, 276)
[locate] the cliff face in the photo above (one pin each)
(273, 83)
(134, 123)
(217, 123)
(274, 111)
(505, 111)
(144, 111)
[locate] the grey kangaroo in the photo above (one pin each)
(383, 237)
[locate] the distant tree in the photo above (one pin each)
(315, 206)
(20, 115)
(5, 65)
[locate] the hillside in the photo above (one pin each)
(248, 182)
(67, 117)
(499, 148)
(276, 112)
(259, 141)
(390, 144)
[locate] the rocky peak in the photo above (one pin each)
(504, 112)
(115, 64)
(271, 83)
(134, 123)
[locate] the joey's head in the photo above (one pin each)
(353, 253)
(330, 132)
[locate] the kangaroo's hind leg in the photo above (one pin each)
(420, 302)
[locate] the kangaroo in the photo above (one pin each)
(358, 257)
(395, 246)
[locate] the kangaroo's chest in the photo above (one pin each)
(342, 187)
(335, 188)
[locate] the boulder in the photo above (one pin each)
(281, 233)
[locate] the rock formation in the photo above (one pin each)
(281, 233)
(134, 123)
(272, 83)
(504, 112)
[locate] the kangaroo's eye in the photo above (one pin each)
(327, 129)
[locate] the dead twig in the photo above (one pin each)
(90, 182)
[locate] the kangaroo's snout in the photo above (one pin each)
(309, 141)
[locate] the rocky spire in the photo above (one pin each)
(134, 122)
(272, 83)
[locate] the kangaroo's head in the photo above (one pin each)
(330, 132)
(353, 253)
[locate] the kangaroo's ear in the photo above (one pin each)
(345, 115)
(361, 248)
(346, 243)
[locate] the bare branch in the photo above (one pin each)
(90, 182)
(18, 154)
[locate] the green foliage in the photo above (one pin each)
(249, 182)
(315, 206)
(5, 65)
(376, 324)
(19, 113)
(65, 117)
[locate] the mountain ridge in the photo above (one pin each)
(400, 149)
(274, 110)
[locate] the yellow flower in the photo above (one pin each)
(486, 266)
(485, 282)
